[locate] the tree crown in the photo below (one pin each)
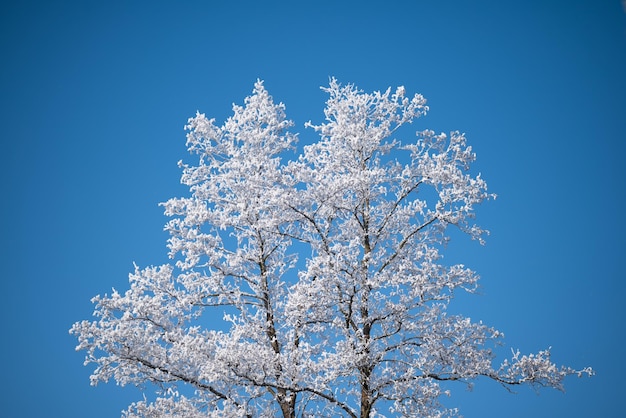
(326, 269)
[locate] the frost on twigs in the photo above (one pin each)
(309, 285)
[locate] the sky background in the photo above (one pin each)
(94, 97)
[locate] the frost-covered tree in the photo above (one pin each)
(309, 286)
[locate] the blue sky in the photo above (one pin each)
(94, 97)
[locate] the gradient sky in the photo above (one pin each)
(94, 97)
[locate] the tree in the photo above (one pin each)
(326, 269)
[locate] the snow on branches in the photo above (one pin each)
(325, 269)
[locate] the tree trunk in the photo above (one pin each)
(287, 403)
(366, 399)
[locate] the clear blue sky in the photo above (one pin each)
(94, 97)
